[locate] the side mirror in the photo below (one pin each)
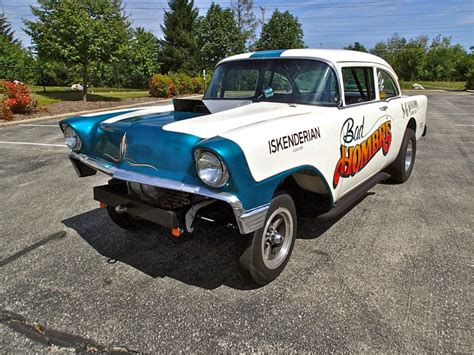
(267, 92)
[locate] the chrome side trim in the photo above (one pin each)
(177, 186)
(99, 165)
(248, 221)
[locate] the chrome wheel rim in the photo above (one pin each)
(408, 156)
(277, 238)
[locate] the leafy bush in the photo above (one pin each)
(175, 84)
(183, 83)
(470, 80)
(198, 85)
(162, 86)
(15, 98)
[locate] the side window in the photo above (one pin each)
(306, 81)
(278, 82)
(387, 87)
(358, 84)
(318, 85)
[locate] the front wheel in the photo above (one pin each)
(270, 247)
(402, 167)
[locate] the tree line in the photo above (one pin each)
(423, 59)
(94, 42)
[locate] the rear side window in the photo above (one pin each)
(387, 87)
(278, 82)
(358, 84)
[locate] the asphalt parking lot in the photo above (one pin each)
(392, 275)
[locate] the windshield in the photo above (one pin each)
(302, 81)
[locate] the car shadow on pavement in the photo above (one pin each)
(208, 258)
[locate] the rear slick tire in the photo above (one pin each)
(402, 167)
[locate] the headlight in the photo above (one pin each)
(211, 170)
(72, 139)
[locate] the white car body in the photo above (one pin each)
(274, 128)
(253, 126)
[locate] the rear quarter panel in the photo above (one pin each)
(403, 110)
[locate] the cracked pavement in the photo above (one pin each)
(394, 274)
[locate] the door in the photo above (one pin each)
(365, 135)
(390, 98)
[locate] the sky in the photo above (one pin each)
(326, 23)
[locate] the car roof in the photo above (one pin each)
(331, 55)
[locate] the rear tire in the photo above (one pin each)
(270, 247)
(402, 167)
(126, 221)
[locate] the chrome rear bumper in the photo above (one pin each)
(248, 221)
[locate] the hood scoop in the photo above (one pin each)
(208, 106)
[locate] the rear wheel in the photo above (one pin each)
(402, 167)
(270, 247)
(126, 221)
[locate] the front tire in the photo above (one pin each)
(402, 167)
(270, 248)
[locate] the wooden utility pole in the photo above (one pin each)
(262, 9)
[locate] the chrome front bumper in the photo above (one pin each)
(248, 221)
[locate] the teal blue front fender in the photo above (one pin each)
(251, 193)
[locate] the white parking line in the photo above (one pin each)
(37, 144)
(464, 125)
(39, 125)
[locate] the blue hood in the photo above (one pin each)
(148, 147)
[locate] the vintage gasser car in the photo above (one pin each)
(272, 126)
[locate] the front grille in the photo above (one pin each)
(174, 200)
(162, 198)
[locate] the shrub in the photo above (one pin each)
(175, 84)
(470, 80)
(184, 83)
(162, 86)
(198, 85)
(15, 98)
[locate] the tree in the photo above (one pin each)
(14, 61)
(246, 21)
(357, 47)
(218, 36)
(143, 58)
(78, 32)
(283, 31)
(179, 51)
(410, 61)
(445, 61)
(380, 49)
(6, 30)
(51, 73)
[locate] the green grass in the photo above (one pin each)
(58, 93)
(443, 85)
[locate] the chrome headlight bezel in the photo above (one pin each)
(73, 141)
(210, 168)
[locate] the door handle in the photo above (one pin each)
(383, 108)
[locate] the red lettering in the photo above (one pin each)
(356, 160)
(353, 159)
(343, 166)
